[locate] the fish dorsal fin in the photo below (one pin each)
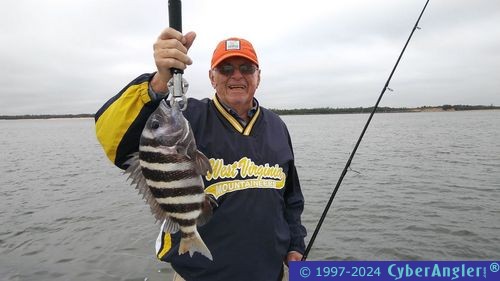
(201, 163)
(135, 174)
(206, 210)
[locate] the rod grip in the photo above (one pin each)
(175, 21)
(175, 14)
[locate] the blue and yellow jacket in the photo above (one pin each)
(254, 180)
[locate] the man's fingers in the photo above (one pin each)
(175, 54)
(169, 44)
(170, 51)
(190, 36)
(166, 64)
(170, 33)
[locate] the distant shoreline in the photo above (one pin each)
(300, 111)
(441, 108)
(45, 116)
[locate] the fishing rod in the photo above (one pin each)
(348, 164)
(177, 85)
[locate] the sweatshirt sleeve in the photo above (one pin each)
(294, 201)
(119, 122)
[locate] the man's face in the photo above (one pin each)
(236, 89)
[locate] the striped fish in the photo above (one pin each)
(167, 171)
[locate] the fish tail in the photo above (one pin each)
(194, 244)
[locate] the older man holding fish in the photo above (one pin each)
(230, 196)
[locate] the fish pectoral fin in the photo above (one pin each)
(179, 149)
(170, 226)
(202, 164)
(206, 210)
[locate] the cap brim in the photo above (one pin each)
(230, 55)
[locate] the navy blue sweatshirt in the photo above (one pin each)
(254, 180)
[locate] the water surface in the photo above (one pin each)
(423, 186)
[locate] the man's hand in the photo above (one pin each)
(293, 256)
(170, 51)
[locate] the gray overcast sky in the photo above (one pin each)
(61, 56)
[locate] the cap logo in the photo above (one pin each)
(233, 45)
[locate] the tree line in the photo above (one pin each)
(297, 111)
(45, 116)
(330, 110)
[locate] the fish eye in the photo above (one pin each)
(155, 125)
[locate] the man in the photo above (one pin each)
(256, 225)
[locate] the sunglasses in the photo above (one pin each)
(228, 69)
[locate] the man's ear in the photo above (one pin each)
(258, 78)
(211, 76)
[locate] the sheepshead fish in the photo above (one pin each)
(167, 171)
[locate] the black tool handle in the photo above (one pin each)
(175, 21)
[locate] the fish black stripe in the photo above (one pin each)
(167, 176)
(175, 192)
(180, 208)
(187, 235)
(149, 142)
(157, 157)
(182, 222)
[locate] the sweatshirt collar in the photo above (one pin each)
(234, 119)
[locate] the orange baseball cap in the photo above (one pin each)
(234, 47)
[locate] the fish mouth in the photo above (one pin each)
(164, 106)
(169, 109)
